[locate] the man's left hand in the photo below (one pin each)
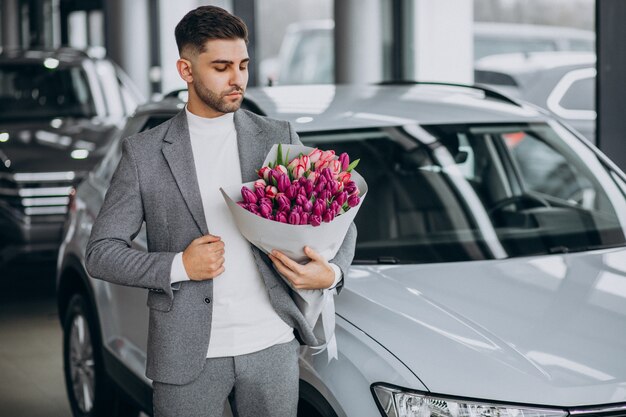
(314, 275)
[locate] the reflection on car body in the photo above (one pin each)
(486, 281)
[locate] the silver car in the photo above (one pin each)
(489, 277)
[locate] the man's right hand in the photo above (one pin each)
(204, 258)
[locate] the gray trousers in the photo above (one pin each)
(263, 383)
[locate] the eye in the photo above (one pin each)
(243, 67)
(220, 69)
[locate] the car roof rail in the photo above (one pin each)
(247, 103)
(487, 91)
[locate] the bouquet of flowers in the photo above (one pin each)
(308, 200)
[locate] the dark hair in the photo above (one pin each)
(205, 23)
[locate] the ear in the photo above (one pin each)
(184, 70)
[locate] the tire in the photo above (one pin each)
(90, 391)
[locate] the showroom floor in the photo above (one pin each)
(31, 366)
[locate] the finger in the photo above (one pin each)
(217, 273)
(294, 266)
(313, 255)
(215, 247)
(206, 239)
(284, 271)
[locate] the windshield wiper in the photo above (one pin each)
(568, 249)
(381, 260)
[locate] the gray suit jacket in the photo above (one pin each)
(156, 182)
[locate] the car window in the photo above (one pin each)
(478, 192)
(30, 91)
(580, 95)
(484, 46)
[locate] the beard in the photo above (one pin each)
(218, 102)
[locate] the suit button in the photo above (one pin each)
(207, 300)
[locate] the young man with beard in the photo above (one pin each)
(221, 318)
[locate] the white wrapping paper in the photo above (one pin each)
(317, 306)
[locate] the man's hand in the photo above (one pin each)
(314, 275)
(204, 258)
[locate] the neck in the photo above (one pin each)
(197, 107)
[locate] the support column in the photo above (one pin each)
(610, 82)
(127, 39)
(443, 47)
(358, 41)
(10, 23)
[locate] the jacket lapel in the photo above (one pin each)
(251, 145)
(179, 155)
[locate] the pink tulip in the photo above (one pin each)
(304, 218)
(333, 187)
(312, 176)
(315, 220)
(318, 207)
(298, 171)
(335, 208)
(248, 196)
(265, 200)
(344, 177)
(335, 167)
(264, 173)
(259, 192)
(327, 155)
(307, 207)
(281, 217)
(305, 161)
(271, 191)
(293, 164)
(282, 169)
(345, 161)
(260, 183)
(353, 200)
(314, 155)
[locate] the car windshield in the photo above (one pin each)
(475, 192)
(33, 91)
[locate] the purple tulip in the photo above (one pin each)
(328, 216)
(318, 208)
(328, 174)
(265, 200)
(291, 192)
(301, 200)
(345, 161)
(259, 192)
(254, 209)
(350, 187)
(308, 187)
(304, 218)
(283, 202)
(242, 204)
(307, 206)
(335, 207)
(353, 200)
(283, 183)
(281, 217)
(341, 198)
(324, 196)
(294, 218)
(248, 196)
(315, 220)
(333, 187)
(265, 209)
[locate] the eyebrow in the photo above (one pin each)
(225, 61)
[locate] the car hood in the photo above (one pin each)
(547, 330)
(50, 145)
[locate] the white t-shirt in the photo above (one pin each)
(243, 321)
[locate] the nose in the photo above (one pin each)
(237, 78)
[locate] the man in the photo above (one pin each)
(221, 318)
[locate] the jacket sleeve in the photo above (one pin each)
(109, 255)
(345, 255)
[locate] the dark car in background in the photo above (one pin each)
(58, 111)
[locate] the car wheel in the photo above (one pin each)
(90, 391)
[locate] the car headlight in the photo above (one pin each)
(394, 402)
